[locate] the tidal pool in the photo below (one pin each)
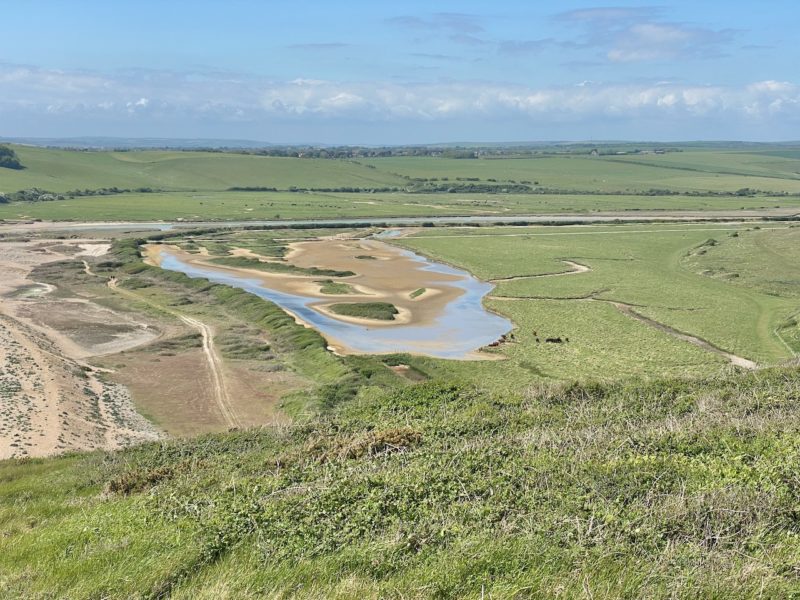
(457, 332)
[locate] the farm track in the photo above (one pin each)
(628, 310)
(213, 360)
(215, 370)
(576, 269)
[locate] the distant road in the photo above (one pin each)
(599, 217)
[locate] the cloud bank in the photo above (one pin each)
(145, 94)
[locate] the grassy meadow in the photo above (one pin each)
(678, 275)
(64, 170)
(196, 186)
(683, 171)
(244, 206)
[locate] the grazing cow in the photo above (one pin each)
(556, 340)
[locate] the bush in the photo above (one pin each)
(9, 159)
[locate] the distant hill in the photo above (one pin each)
(60, 170)
(107, 143)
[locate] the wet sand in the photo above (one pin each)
(390, 276)
(447, 321)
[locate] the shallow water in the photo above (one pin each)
(463, 327)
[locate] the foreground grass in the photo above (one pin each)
(660, 489)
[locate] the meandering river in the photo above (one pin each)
(459, 329)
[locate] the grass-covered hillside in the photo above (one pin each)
(195, 186)
(671, 488)
(66, 170)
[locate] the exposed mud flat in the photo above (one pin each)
(448, 321)
(84, 327)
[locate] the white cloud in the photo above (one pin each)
(637, 35)
(771, 86)
(225, 97)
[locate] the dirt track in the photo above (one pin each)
(215, 371)
(576, 269)
(739, 361)
(213, 360)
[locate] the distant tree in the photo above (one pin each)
(9, 159)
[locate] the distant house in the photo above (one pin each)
(594, 152)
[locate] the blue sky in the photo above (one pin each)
(401, 72)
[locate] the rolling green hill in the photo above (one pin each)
(196, 185)
(64, 170)
(701, 170)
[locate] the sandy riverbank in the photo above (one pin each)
(388, 275)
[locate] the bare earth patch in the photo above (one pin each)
(50, 400)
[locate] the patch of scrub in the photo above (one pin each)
(417, 293)
(34, 290)
(336, 288)
(278, 267)
(379, 311)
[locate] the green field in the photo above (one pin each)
(243, 206)
(194, 186)
(684, 171)
(666, 272)
(64, 170)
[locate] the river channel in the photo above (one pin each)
(454, 325)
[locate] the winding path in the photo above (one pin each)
(628, 310)
(213, 359)
(575, 269)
